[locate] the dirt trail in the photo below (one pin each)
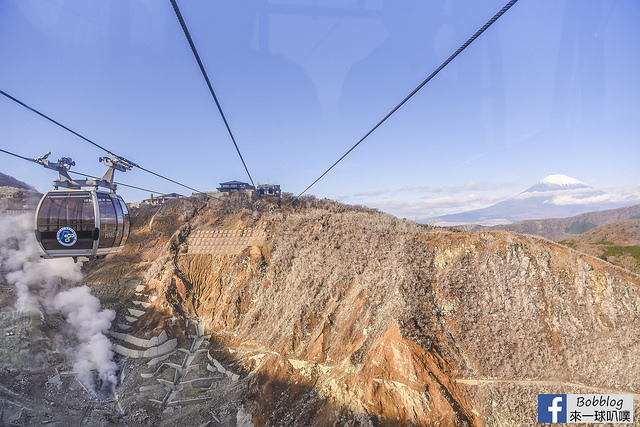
(599, 390)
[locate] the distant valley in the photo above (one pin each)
(559, 229)
(617, 242)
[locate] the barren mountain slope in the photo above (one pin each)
(621, 233)
(347, 315)
(564, 228)
(322, 314)
(617, 242)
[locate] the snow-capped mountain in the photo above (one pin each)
(556, 182)
(556, 196)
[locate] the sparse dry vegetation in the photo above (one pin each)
(336, 287)
(350, 316)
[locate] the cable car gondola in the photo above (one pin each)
(80, 222)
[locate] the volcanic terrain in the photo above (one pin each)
(311, 312)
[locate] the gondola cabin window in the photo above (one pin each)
(66, 220)
(127, 222)
(111, 220)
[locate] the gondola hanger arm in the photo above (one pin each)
(115, 163)
(62, 167)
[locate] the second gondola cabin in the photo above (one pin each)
(81, 223)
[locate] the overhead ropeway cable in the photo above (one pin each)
(420, 86)
(80, 173)
(206, 78)
(17, 155)
(60, 124)
(93, 143)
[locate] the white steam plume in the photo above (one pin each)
(88, 323)
(46, 286)
(33, 279)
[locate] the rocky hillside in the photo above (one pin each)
(9, 181)
(351, 316)
(16, 195)
(317, 313)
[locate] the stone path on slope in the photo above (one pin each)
(480, 381)
(174, 377)
(180, 371)
(194, 379)
(135, 347)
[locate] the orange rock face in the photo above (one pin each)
(350, 316)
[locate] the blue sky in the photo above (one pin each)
(551, 88)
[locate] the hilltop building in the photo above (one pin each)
(158, 200)
(262, 189)
(233, 186)
(269, 190)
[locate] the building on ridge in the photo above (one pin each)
(269, 190)
(233, 186)
(158, 200)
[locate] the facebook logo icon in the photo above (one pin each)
(552, 408)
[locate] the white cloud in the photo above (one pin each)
(430, 207)
(417, 190)
(418, 201)
(609, 195)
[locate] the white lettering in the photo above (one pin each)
(554, 408)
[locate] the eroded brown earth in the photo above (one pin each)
(344, 316)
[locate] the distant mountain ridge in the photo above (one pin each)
(9, 181)
(564, 228)
(16, 195)
(617, 242)
(623, 233)
(556, 196)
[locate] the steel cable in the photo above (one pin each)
(206, 78)
(93, 143)
(80, 173)
(420, 86)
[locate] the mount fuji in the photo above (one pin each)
(556, 196)
(556, 182)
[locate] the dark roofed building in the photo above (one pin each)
(233, 186)
(269, 190)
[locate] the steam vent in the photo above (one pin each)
(224, 313)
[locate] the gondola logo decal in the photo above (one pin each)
(67, 236)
